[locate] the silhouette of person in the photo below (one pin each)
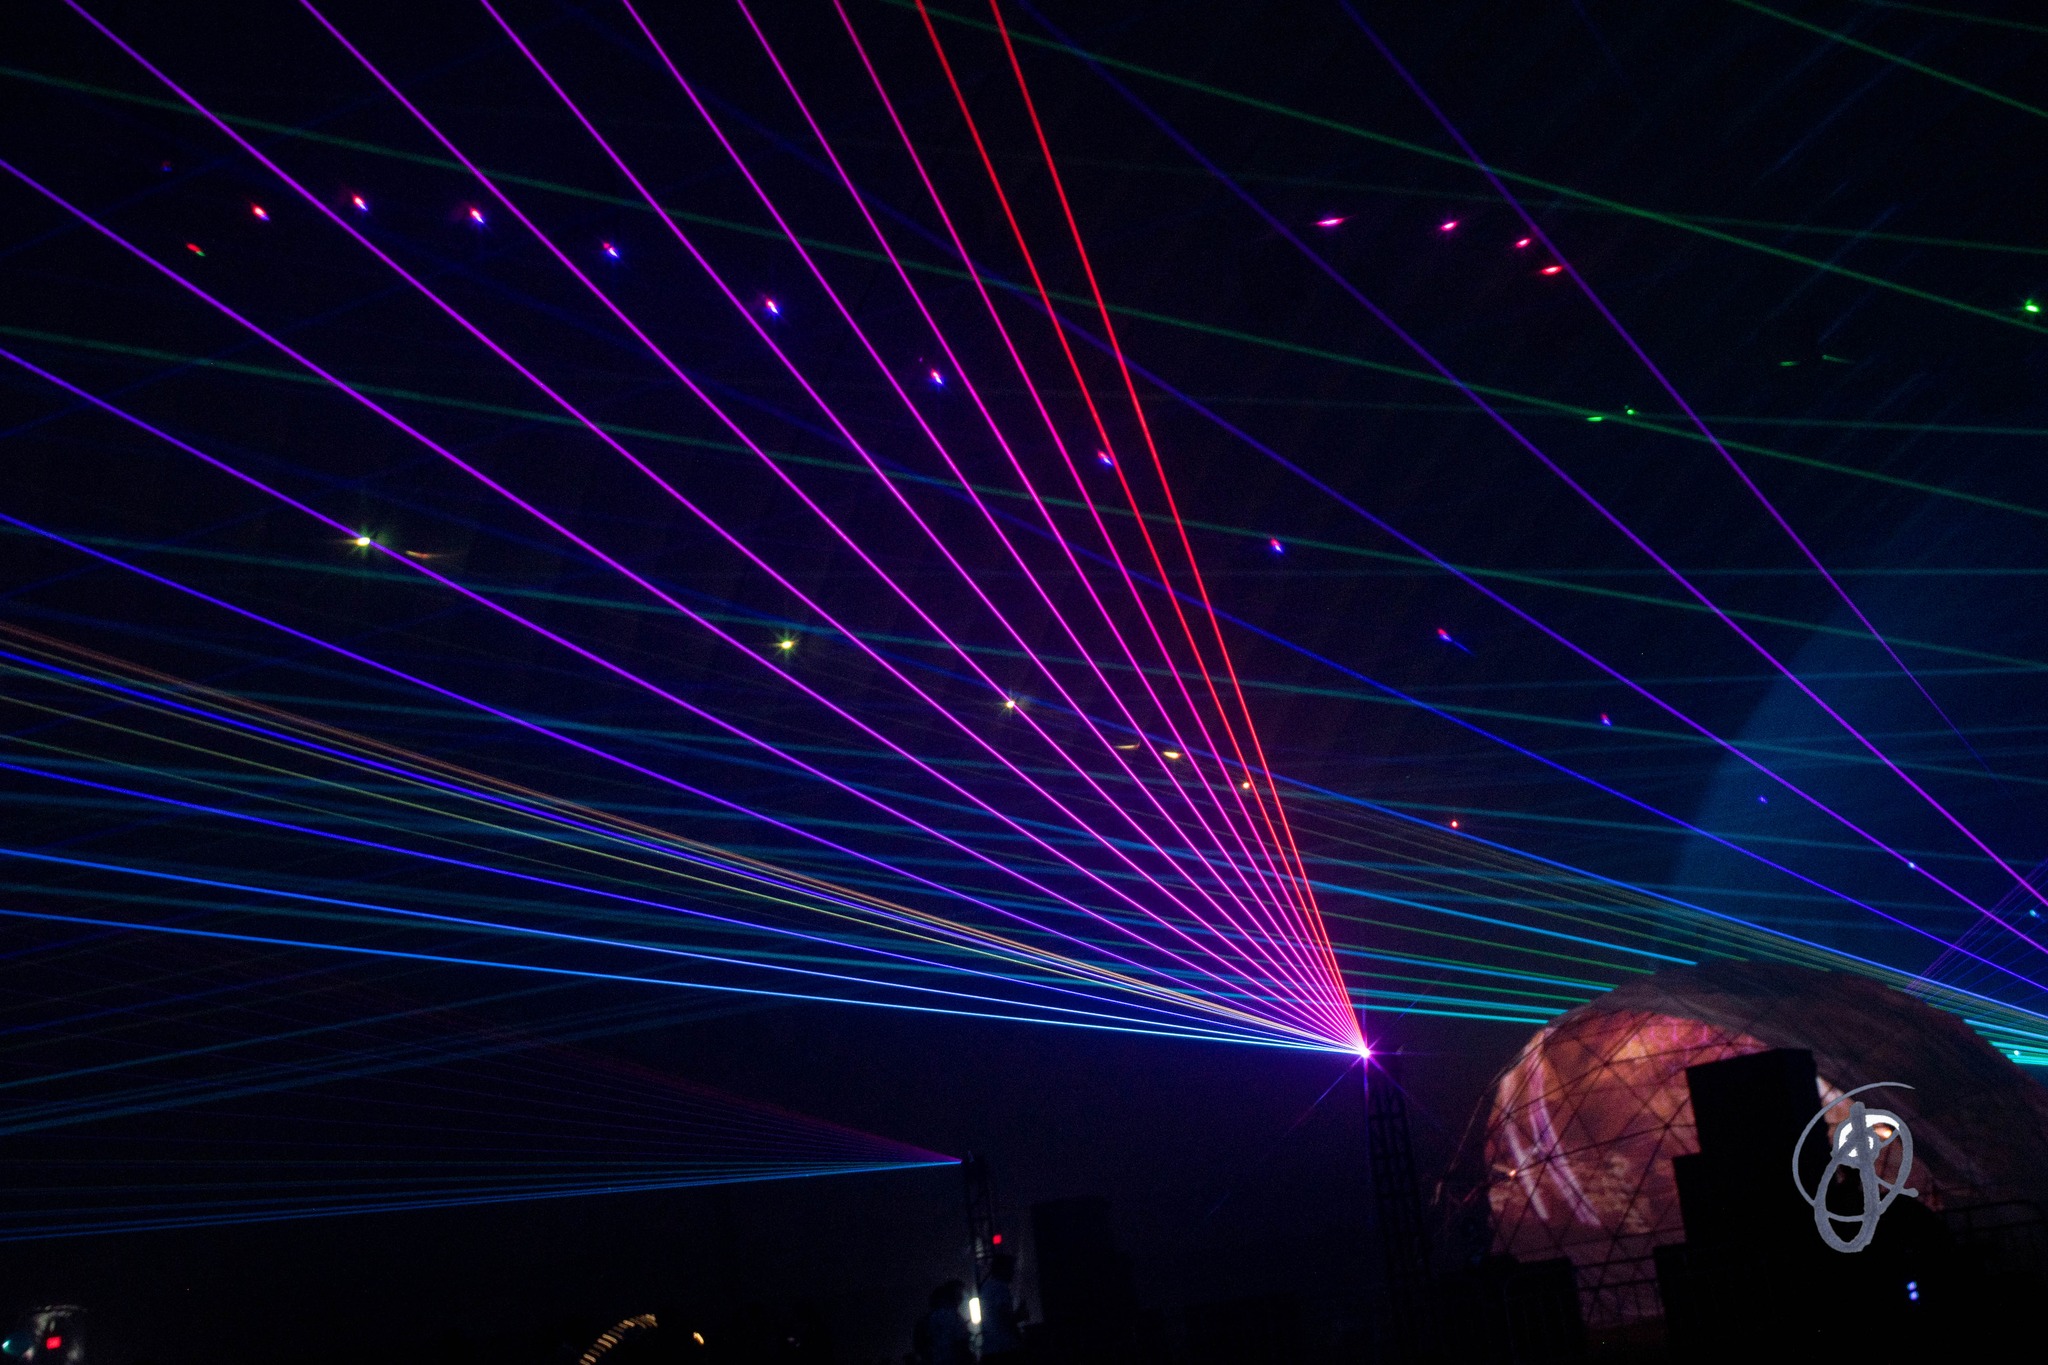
(941, 1337)
(1002, 1338)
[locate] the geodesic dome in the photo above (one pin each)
(1570, 1152)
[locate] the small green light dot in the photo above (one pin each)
(1596, 417)
(2031, 306)
(1787, 364)
(1630, 411)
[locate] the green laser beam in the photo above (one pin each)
(1894, 58)
(1454, 159)
(1957, 15)
(1580, 410)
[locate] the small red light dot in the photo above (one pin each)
(997, 1239)
(54, 1344)
(1551, 270)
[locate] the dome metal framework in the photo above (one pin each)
(1570, 1153)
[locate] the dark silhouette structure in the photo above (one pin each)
(1088, 1315)
(1260, 1330)
(984, 1238)
(1482, 1308)
(1753, 1273)
(1508, 1312)
(1397, 1206)
(1576, 1150)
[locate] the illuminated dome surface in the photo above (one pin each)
(1570, 1154)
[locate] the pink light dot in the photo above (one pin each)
(1447, 225)
(262, 214)
(1551, 270)
(1330, 222)
(1524, 242)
